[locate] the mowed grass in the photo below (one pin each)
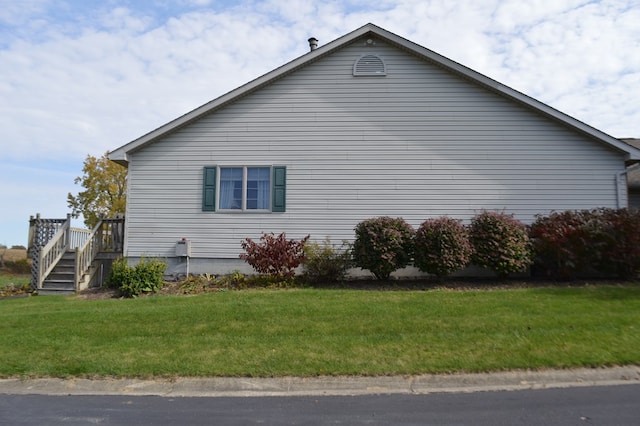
(309, 332)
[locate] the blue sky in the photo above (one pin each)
(81, 77)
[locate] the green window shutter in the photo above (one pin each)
(209, 189)
(279, 189)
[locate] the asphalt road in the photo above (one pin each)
(597, 405)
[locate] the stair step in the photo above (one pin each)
(60, 285)
(55, 292)
(64, 271)
(57, 282)
(60, 276)
(61, 280)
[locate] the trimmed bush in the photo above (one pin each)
(500, 243)
(326, 263)
(442, 246)
(383, 245)
(145, 277)
(274, 256)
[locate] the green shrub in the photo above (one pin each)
(274, 256)
(145, 277)
(500, 243)
(441, 246)
(383, 245)
(326, 263)
(120, 272)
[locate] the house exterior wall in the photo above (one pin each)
(416, 143)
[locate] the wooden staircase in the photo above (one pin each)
(66, 260)
(61, 281)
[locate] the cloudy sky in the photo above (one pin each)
(81, 77)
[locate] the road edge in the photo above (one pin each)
(325, 385)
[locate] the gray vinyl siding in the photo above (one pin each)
(416, 143)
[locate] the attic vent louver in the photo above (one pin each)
(369, 65)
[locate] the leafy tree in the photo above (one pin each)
(105, 190)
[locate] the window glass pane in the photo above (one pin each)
(231, 187)
(258, 188)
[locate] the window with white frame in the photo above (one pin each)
(244, 188)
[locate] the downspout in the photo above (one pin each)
(623, 184)
(620, 186)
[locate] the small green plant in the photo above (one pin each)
(120, 272)
(383, 245)
(236, 278)
(145, 277)
(274, 256)
(500, 243)
(326, 263)
(442, 246)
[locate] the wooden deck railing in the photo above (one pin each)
(78, 237)
(107, 236)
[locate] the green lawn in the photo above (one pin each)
(308, 332)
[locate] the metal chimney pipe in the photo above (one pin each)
(313, 43)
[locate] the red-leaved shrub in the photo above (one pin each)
(441, 246)
(619, 238)
(599, 242)
(561, 244)
(274, 256)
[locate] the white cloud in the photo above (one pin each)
(16, 13)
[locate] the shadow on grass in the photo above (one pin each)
(599, 290)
